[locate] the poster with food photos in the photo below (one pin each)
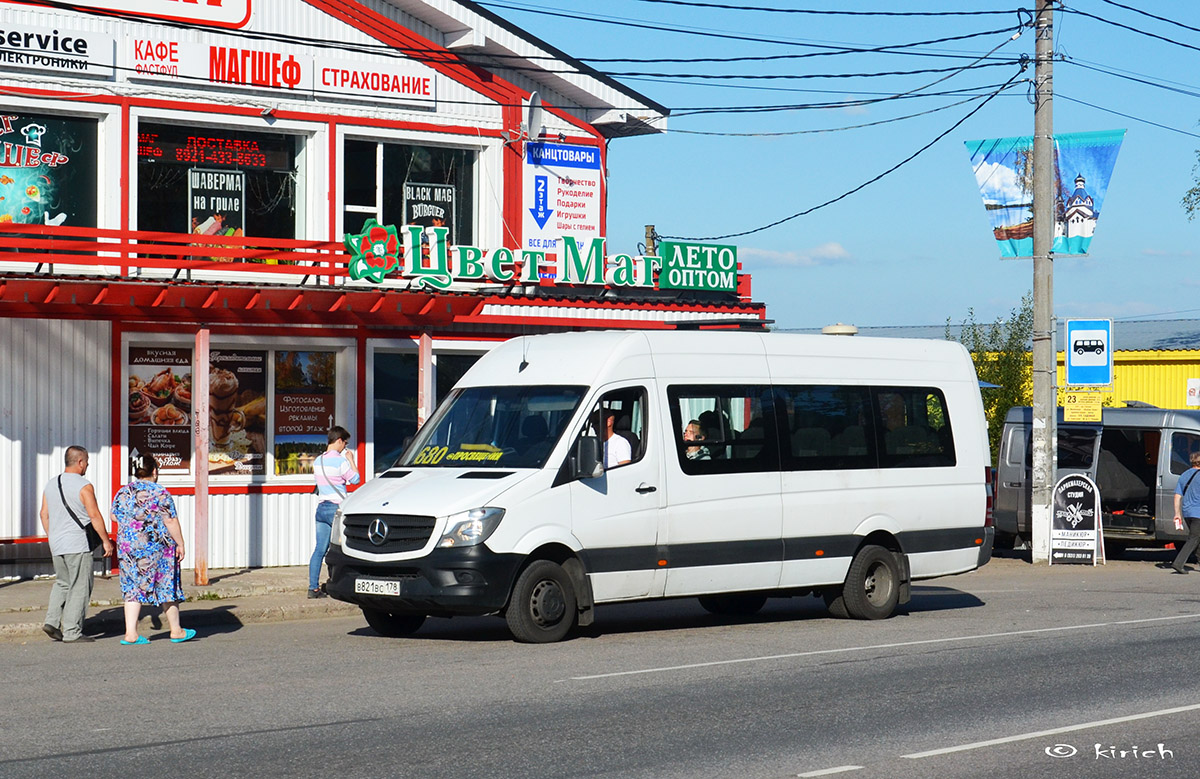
(237, 412)
(159, 406)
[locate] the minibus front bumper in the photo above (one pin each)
(469, 580)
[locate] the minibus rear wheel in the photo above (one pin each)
(542, 608)
(872, 587)
(393, 625)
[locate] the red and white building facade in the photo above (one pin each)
(180, 176)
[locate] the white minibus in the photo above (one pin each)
(570, 470)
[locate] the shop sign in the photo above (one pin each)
(378, 250)
(236, 65)
(57, 50)
(1076, 534)
(217, 13)
(397, 81)
(47, 170)
(216, 201)
(430, 205)
(698, 266)
(160, 406)
(562, 194)
(230, 63)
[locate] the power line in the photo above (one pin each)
(755, 109)
(722, 6)
(672, 131)
(1131, 29)
(735, 37)
(1116, 74)
(1152, 16)
(776, 76)
(1126, 116)
(867, 183)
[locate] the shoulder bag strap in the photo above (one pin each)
(75, 517)
(1188, 485)
(340, 493)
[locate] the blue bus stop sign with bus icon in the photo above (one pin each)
(1089, 351)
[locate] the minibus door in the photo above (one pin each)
(616, 515)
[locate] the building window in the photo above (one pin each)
(268, 410)
(221, 182)
(47, 170)
(398, 184)
(395, 406)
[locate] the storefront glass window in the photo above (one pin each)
(425, 185)
(221, 182)
(395, 412)
(47, 170)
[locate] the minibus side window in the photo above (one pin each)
(828, 427)
(621, 417)
(1182, 446)
(914, 427)
(724, 429)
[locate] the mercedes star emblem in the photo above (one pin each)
(377, 532)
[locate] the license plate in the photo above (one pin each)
(377, 586)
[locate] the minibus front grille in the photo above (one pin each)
(404, 532)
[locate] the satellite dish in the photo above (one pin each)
(533, 116)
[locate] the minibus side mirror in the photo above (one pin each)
(587, 458)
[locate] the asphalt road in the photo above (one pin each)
(1009, 671)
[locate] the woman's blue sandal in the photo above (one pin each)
(140, 640)
(188, 635)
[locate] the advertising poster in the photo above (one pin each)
(1075, 534)
(237, 412)
(1083, 166)
(216, 201)
(47, 170)
(160, 406)
(430, 205)
(304, 408)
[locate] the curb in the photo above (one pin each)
(202, 614)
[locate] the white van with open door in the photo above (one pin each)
(570, 470)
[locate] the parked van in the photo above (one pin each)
(569, 470)
(1135, 456)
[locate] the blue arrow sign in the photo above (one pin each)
(541, 193)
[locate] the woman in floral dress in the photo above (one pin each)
(150, 550)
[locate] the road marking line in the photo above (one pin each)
(827, 771)
(899, 644)
(1053, 731)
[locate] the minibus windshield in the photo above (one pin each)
(494, 427)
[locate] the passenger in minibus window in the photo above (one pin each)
(617, 450)
(692, 431)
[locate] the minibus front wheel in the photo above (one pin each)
(542, 608)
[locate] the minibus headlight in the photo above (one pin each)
(339, 535)
(472, 527)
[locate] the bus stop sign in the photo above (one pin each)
(1089, 352)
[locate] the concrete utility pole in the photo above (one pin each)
(1045, 372)
(650, 246)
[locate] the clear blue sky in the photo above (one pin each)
(915, 247)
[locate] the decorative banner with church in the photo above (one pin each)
(1083, 166)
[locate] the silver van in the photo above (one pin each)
(1135, 456)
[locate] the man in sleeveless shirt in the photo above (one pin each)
(69, 549)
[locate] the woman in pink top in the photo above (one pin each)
(333, 470)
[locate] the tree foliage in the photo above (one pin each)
(1003, 356)
(1191, 198)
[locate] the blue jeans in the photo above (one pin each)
(325, 511)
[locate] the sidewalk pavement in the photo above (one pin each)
(236, 596)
